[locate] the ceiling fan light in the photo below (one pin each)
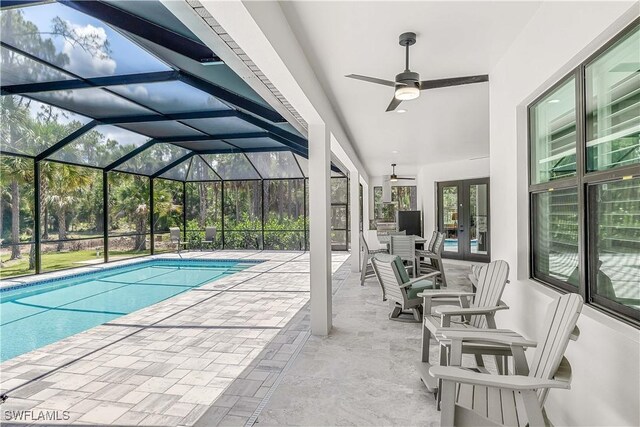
(393, 178)
(406, 93)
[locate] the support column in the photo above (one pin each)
(320, 227)
(365, 207)
(354, 217)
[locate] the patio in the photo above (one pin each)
(166, 364)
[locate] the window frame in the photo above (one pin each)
(583, 181)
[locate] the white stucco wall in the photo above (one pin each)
(606, 358)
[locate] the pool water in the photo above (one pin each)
(48, 311)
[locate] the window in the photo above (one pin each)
(339, 213)
(403, 198)
(585, 185)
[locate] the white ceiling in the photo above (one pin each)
(454, 39)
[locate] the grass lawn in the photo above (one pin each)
(59, 260)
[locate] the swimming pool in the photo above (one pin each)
(43, 312)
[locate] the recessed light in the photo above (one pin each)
(400, 111)
(554, 101)
(394, 152)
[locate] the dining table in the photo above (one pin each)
(385, 240)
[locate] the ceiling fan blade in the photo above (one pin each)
(454, 81)
(406, 178)
(393, 104)
(372, 80)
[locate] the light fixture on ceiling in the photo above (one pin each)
(400, 111)
(394, 152)
(554, 101)
(407, 93)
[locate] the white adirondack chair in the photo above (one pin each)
(475, 398)
(367, 253)
(401, 291)
(477, 314)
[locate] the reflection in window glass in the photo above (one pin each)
(29, 127)
(100, 146)
(162, 129)
(93, 102)
(339, 213)
(616, 223)
(74, 41)
(613, 105)
(18, 69)
(16, 216)
(555, 235)
(553, 135)
(153, 159)
(71, 202)
(170, 97)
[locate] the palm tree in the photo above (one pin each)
(65, 190)
(15, 172)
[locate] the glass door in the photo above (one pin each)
(463, 217)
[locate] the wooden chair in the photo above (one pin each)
(476, 398)
(401, 291)
(367, 254)
(405, 248)
(209, 236)
(175, 235)
(476, 314)
(430, 260)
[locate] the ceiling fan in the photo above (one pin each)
(393, 177)
(408, 85)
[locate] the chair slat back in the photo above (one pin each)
(384, 268)
(373, 243)
(210, 233)
(491, 282)
(438, 244)
(432, 241)
(364, 247)
(174, 234)
(403, 246)
(559, 324)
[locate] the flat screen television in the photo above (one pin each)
(410, 221)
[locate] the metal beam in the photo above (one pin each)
(131, 154)
(232, 98)
(62, 143)
(127, 79)
(166, 117)
(145, 29)
(8, 4)
(272, 128)
(301, 149)
(173, 164)
(214, 137)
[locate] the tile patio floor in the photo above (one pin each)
(225, 342)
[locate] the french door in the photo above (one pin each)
(463, 217)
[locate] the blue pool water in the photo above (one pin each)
(45, 312)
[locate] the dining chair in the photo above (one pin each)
(175, 235)
(209, 236)
(431, 260)
(369, 249)
(405, 248)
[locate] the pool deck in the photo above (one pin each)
(166, 364)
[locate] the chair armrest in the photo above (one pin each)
(452, 311)
(423, 277)
(508, 382)
(436, 293)
(487, 336)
